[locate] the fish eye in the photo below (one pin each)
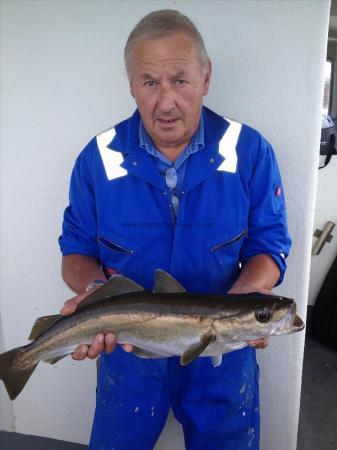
(262, 314)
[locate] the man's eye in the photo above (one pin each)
(180, 82)
(150, 83)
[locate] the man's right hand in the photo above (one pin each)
(101, 343)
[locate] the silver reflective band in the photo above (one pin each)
(110, 158)
(227, 146)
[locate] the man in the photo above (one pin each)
(176, 187)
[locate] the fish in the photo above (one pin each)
(165, 322)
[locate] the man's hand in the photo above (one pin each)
(259, 274)
(258, 343)
(102, 343)
(77, 271)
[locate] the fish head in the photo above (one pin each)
(289, 322)
(258, 317)
(278, 317)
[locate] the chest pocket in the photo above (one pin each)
(120, 254)
(222, 256)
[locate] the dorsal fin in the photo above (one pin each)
(118, 284)
(164, 282)
(42, 324)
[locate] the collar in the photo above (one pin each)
(140, 163)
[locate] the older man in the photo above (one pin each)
(181, 188)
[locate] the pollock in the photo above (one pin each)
(165, 322)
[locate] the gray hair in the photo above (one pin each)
(162, 23)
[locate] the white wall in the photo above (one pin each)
(63, 81)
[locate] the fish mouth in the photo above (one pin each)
(297, 325)
(292, 323)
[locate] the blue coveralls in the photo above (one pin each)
(232, 208)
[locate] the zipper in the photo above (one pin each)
(232, 241)
(173, 214)
(169, 204)
(111, 245)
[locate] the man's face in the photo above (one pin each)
(168, 85)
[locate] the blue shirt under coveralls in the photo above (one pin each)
(231, 207)
(174, 171)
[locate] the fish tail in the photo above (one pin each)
(14, 378)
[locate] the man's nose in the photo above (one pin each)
(166, 100)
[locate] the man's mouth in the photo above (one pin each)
(167, 121)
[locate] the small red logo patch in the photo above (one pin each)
(111, 272)
(278, 191)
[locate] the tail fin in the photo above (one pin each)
(15, 379)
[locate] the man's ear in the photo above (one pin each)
(207, 78)
(131, 89)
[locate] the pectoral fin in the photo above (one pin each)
(195, 350)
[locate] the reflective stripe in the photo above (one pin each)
(111, 159)
(227, 146)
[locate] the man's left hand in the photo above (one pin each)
(259, 343)
(236, 289)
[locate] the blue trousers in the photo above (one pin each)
(218, 408)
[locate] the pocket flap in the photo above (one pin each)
(226, 239)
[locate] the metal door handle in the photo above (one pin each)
(323, 236)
